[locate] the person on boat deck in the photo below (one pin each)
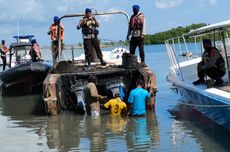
(92, 97)
(35, 51)
(116, 106)
(54, 37)
(90, 36)
(137, 31)
(3, 50)
(137, 100)
(212, 65)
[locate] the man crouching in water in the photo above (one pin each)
(92, 98)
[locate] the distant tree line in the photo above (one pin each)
(159, 38)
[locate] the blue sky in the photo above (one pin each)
(35, 16)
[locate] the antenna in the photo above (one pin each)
(18, 29)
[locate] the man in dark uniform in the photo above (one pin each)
(90, 39)
(137, 31)
(212, 64)
(35, 51)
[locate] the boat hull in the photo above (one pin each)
(24, 79)
(64, 88)
(214, 108)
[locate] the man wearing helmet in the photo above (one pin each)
(137, 31)
(54, 37)
(89, 32)
(35, 51)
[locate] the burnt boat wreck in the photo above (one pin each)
(63, 88)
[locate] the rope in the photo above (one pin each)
(208, 106)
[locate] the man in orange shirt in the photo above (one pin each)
(54, 37)
(3, 50)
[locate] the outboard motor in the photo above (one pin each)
(116, 87)
(79, 91)
(113, 87)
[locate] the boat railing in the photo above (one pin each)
(180, 51)
(60, 49)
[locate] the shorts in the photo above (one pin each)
(94, 113)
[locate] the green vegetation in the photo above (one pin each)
(159, 38)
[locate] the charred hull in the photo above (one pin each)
(63, 88)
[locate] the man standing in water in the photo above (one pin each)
(137, 31)
(3, 51)
(92, 97)
(90, 36)
(54, 37)
(116, 106)
(137, 100)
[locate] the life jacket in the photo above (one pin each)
(89, 29)
(3, 50)
(219, 62)
(137, 22)
(35, 49)
(53, 32)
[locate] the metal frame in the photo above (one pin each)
(81, 15)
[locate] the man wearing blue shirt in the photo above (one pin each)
(137, 100)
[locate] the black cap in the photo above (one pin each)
(207, 41)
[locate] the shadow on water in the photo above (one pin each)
(22, 105)
(210, 135)
(69, 131)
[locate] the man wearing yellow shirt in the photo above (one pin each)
(116, 106)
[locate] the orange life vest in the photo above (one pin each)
(53, 32)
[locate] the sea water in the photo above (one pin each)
(24, 126)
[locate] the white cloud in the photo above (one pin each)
(165, 4)
(205, 3)
(12, 10)
(107, 18)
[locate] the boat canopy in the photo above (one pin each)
(20, 44)
(23, 38)
(220, 26)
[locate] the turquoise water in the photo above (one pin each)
(25, 127)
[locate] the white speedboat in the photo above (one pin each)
(213, 102)
(111, 57)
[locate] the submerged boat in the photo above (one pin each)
(64, 86)
(23, 76)
(212, 101)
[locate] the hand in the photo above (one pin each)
(100, 97)
(150, 90)
(78, 27)
(127, 38)
(142, 36)
(84, 21)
